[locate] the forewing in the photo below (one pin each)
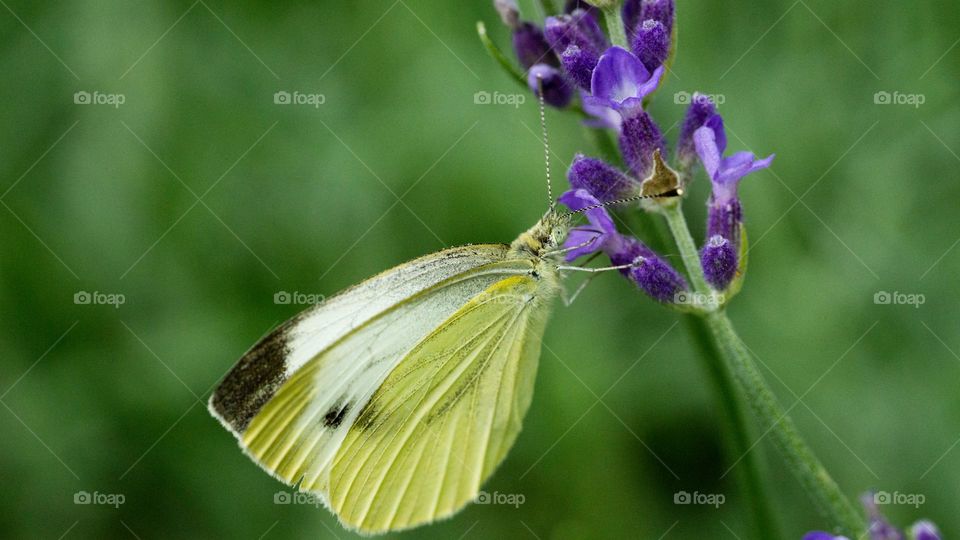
(291, 399)
(446, 416)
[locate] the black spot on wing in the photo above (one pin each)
(335, 415)
(253, 380)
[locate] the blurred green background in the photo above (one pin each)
(297, 198)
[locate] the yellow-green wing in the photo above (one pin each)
(292, 398)
(446, 416)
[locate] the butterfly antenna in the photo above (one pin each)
(665, 195)
(546, 141)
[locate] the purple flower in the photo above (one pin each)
(578, 28)
(599, 235)
(603, 181)
(531, 46)
(556, 90)
(621, 81)
(637, 11)
(724, 213)
(700, 110)
(651, 44)
(724, 172)
(820, 535)
(579, 64)
(924, 530)
(639, 138)
(649, 271)
(881, 529)
(719, 261)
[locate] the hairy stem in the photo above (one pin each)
(615, 29)
(799, 457)
(738, 432)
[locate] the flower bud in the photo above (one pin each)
(579, 64)
(724, 218)
(650, 272)
(602, 180)
(701, 110)
(924, 530)
(531, 46)
(556, 90)
(719, 262)
(639, 137)
(651, 44)
(637, 11)
(578, 28)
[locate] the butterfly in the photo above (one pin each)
(395, 400)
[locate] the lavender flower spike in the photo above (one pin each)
(531, 46)
(701, 110)
(651, 44)
(578, 28)
(650, 272)
(724, 211)
(924, 530)
(639, 138)
(619, 83)
(603, 181)
(820, 535)
(637, 11)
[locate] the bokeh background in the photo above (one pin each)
(199, 199)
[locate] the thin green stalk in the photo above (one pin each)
(615, 28)
(801, 460)
(739, 439)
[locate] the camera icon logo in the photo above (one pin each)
(82, 98)
(82, 497)
(681, 298)
(882, 298)
(281, 98)
(881, 497)
(682, 497)
(482, 498)
(282, 297)
(482, 98)
(882, 98)
(282, 497)
(82, 298)
(682, 98)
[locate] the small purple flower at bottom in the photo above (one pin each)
(878, 528)
(649, 271)
(820, 535)
(602, 180)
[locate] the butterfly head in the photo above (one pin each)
(544, 237)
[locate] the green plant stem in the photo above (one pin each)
(738, 433)
(799, 457)
(615, 29)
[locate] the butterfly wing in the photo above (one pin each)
(293, 397)
(444, 419)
